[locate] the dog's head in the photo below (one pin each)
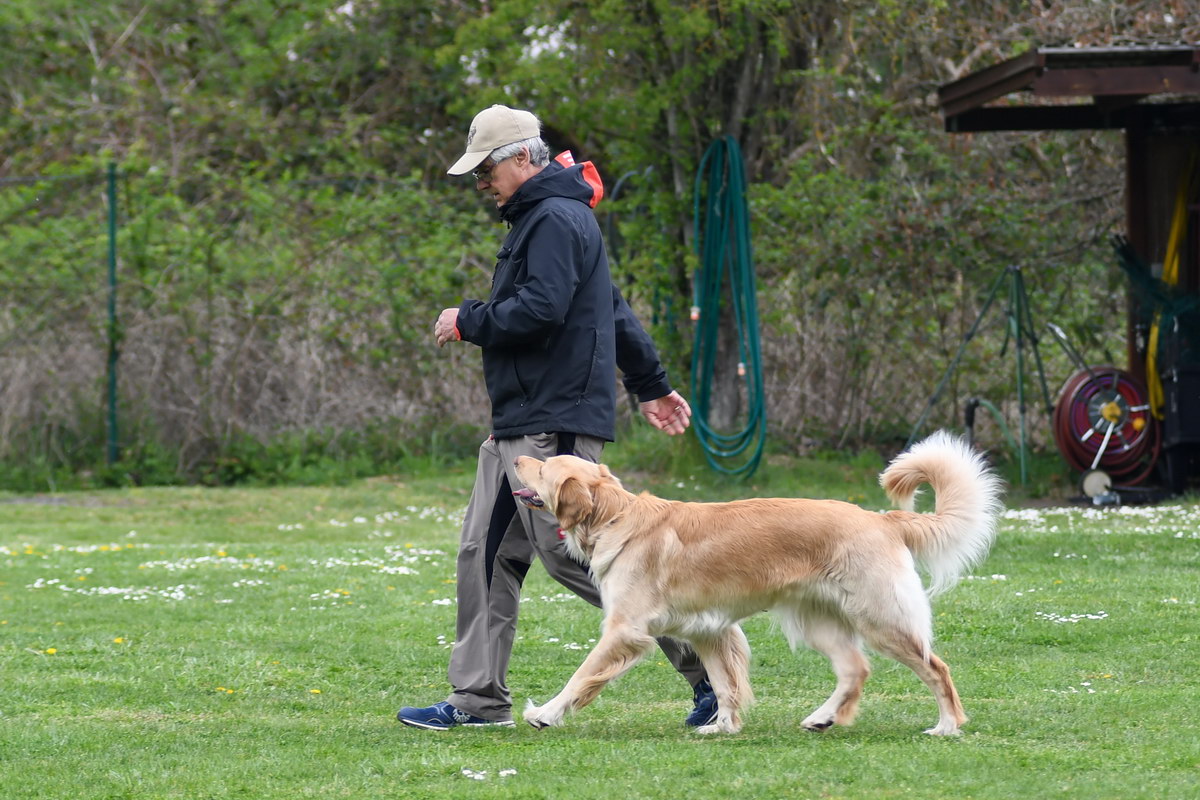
(581, 495)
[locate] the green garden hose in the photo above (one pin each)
(722, 241)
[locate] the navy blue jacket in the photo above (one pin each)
(555, 329)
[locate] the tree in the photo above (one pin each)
(286, 203)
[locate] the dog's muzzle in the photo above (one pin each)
(529, 498)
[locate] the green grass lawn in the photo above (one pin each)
(201, 643)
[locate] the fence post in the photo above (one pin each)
(114, 450)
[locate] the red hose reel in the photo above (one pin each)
(1103, 427)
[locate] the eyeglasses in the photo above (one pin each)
(484, 171)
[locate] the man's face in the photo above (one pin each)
(502, 179)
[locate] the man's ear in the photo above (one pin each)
(572, 503)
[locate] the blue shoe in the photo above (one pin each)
(705, 710)
(443, 716)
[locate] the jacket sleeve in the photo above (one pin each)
(548, 275)
(637, 358)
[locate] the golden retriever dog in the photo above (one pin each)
(835, 575)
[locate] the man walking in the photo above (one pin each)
(552, 333)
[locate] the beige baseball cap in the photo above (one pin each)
(495, 127)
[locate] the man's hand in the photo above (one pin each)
(670, 414)
(446, 327)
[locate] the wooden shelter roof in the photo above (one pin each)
(1116, 80)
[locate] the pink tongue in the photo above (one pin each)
(526, 494)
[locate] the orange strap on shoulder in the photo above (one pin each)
(590, 174)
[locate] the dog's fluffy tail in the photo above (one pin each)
(959, 532)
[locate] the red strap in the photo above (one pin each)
(590, 174)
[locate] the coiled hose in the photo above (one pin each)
(722, 242)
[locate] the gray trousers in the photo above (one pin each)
(500, 538)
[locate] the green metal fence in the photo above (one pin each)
(199, 309)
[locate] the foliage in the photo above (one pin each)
(886, 274)
(288, 234)
(247, 310)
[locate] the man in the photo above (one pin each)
(552, 334)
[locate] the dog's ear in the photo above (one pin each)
(607, 474)
(607, 499)
(572, 503)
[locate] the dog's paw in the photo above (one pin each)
(720, 726)
(818, 724)
(944, 730)
(540, 716)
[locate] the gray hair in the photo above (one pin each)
(539, 152)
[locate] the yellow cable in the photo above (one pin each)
(1170, 276)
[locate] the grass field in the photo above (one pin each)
(200, 643)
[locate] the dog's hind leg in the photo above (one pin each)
(915, 654)
(726, 658)
(842, 647)
(892, 613)
(620, 647)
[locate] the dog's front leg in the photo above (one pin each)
(620, 647)
(726, 658)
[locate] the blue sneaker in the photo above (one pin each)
(443, 716)
(705, 710)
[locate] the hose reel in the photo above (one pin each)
(1103, 427)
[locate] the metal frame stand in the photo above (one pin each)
(1021, 331)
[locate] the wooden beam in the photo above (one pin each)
(1116, 81)
(996, 81)
(1112, 102)
(1136, 231)
(1179, 116)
